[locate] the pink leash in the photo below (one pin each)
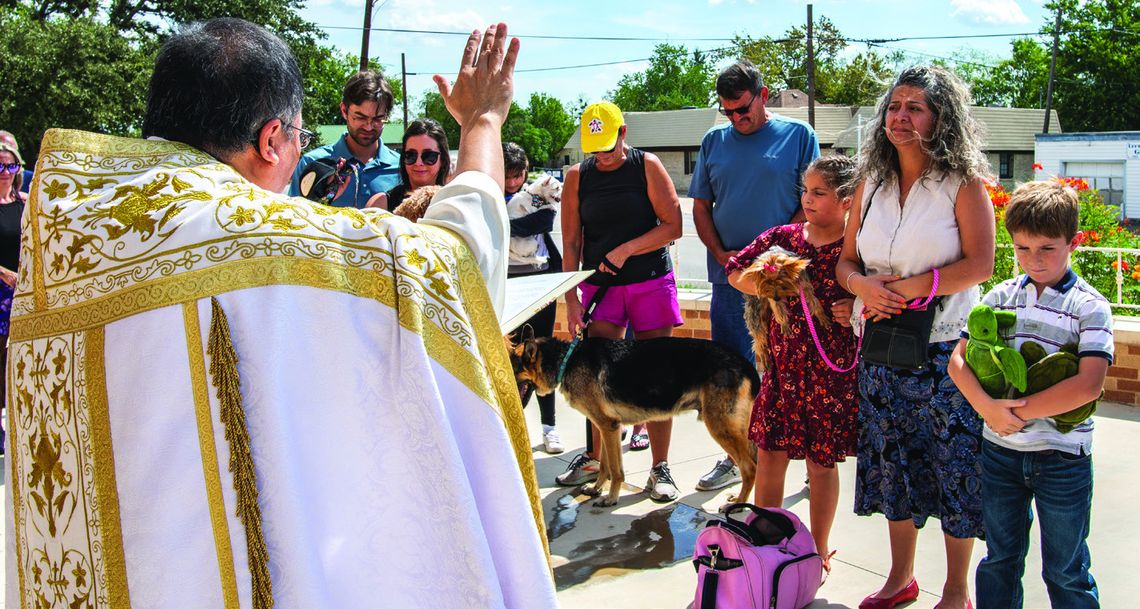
(917, 304)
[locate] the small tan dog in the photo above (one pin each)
(777, 275)
(415, 203)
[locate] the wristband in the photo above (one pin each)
(848, 280)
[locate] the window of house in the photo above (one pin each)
(1108, 178)
(1005, 165)
(690, 161)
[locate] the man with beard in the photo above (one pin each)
(365, 104)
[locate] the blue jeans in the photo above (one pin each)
(726, 316)
(1060, 484)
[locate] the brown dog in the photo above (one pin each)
(624, 382)
(415, 203)
(777, 275)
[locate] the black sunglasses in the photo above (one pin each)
(10, 167)
(430, 157)
(741, 110)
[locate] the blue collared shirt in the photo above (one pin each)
(380, 174)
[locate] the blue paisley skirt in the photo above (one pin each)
(919, 446)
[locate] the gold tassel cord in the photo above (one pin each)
(225, 378)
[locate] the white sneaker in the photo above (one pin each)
(552, 443)
(581, 470)
(660, 484)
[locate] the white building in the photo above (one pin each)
(1108, 161)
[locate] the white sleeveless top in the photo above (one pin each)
(912, 239)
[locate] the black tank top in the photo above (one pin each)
(614, 207)
(10, 215)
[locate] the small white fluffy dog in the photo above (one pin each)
(543, 193)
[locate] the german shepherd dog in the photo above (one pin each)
(624, 382)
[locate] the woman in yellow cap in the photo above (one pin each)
(619, 212)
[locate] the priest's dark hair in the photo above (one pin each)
(217, 82)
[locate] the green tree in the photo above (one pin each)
(675, 78)
(856, 80)
(1097, 82)
(86, 64)
(1017, 82)
(548, 115)
(77, 74)
(1097, 85)
(542, 128)
(431, 106)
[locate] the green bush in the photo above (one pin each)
(1100, 227)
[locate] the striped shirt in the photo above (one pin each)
(1071, 312)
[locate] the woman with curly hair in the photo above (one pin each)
(920, 224)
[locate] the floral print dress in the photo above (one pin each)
(804, 407)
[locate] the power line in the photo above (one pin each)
(879, 42)
(659, 39)
(574, 67)
(520, 36)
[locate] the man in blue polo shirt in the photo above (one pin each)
(747, 180)
(365, 104)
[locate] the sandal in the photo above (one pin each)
(639, 441)
(827, 567)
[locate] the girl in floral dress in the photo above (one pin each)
(805, 409)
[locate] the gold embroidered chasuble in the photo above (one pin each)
(220, 395)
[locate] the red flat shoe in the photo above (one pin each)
(906, 595)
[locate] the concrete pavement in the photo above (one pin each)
(636, 555)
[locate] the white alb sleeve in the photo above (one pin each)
(472, 206)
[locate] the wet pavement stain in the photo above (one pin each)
(564, 517)
(655, 540)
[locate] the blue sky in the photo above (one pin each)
(676, 21)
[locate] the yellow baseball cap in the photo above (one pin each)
(601, 123)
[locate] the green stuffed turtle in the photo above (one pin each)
(999, 368)
(1047, 370)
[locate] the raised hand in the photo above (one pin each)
(485, 84)
(481, 98)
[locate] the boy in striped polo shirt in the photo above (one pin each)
(1024, 456)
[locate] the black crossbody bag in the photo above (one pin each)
(903, 340)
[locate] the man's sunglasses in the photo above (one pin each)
(12, 168)
(741, 111)
(430, 157)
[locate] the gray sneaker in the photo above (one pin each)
(660, 484)
(724, 473)
(580, 471)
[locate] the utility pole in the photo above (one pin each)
(367, 31)
(1052, 71)
(404, 87)
(810, 71)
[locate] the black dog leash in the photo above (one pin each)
(589, 312)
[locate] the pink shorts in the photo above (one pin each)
(647, 305)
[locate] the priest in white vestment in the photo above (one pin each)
(220, 396)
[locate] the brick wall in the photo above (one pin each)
(694, 310)
(1123, 381)
(1121, 385)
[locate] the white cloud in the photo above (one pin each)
(716, 2)
(989, 12)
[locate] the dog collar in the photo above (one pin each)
(566, 359)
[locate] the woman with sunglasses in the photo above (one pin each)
(425, 160)
(11, 210)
